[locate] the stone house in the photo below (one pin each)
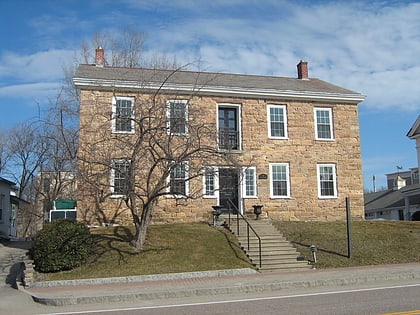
(296, 142)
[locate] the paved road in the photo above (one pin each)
(321, 293)
(326, 301)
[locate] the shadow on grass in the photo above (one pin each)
(235, 247)
(112, 242)
(321, 249)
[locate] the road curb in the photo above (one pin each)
(146, 278)
(223, 289)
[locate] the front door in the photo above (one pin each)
(229, 189)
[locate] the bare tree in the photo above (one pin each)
(161, 158)
(25, 153)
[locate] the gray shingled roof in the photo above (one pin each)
(91, 75)
(388, 199)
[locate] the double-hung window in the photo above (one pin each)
(323, 124)
(279, 180)
(177, 114)
(120, 176)
(327, 181)
(122, 114)
(178, 179)
(277, 121)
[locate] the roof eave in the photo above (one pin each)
(219, 90)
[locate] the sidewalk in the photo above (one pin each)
(210, 283)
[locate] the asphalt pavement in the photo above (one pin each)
(184, 285)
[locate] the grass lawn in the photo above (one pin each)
(170, 248)
(373, 242)
(175, 248)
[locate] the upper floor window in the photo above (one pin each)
(120, 176)
(123, 114)
(229, 127)
(277, 121)
(279, 180)
(327, 181)
(323, 124)
(177, 113)
(178, 179)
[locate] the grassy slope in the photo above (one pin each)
(373, 242)
(197, 247)
(171, 248)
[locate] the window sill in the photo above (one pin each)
(117, 196)
(326, 140)
(278, 138)
(123, 132)
(230, 151)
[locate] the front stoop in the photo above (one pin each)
(276, 252)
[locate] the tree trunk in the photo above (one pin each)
(141, 225)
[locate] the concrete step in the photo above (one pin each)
(276, 252)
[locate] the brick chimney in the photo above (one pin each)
(99, 57)
(302, 69)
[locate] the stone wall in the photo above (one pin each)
(300, 150)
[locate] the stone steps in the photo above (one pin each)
(276, 252)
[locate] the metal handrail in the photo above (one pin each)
(249, 226)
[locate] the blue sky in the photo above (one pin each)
(372, 47)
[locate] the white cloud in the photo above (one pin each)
(367, 48)
(32, 93)
(44, 65)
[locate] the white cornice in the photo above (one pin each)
(218, 90)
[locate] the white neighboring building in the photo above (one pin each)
(401, 201)
(7, 217)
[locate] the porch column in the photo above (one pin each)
(407, 208)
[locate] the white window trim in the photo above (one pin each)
(114, 110)
(243, 182)
(187, 184)
(331, 123)
(287, 178)
(318, 166)
(284, 107)
(168, 116)
(112, 178)
(216, 183)
(239, 117)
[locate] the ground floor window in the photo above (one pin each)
(178, 181)
(120, 176)
(327, 181)
(279, 180)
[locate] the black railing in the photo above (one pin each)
(248, 228)
(228, 139)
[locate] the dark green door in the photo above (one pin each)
(229, 189)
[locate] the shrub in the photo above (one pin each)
(61, 245)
